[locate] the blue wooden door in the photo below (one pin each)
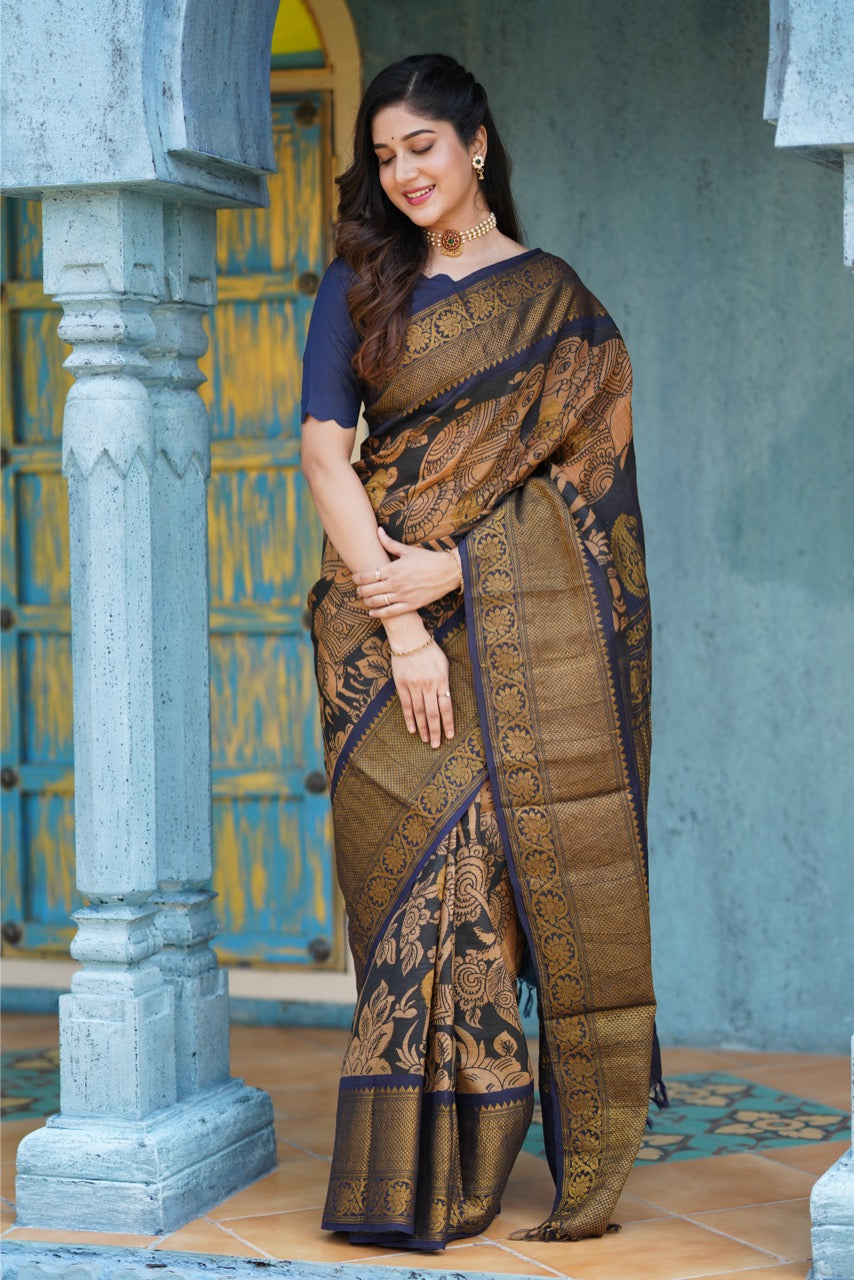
(37, 775)
(271, 816)
(272, 840)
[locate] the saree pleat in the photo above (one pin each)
(506, 432)
(436, 1092)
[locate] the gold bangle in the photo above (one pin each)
(404, 653)
(459, 568)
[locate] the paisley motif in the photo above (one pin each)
(628, 554)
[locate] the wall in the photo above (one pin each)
(641, 156)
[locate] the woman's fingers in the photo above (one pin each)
(390, 545)
(421, 679)
(428, 712)
(406, 705)
(378, 595)
(390, 610)
(446, 711)
(368, 584)
(421, 718)
(374, 587)
(413, 579)
(439, 712)
(434, 719)
(383, 596)
(411, 695)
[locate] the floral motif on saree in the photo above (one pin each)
(507, 431)
(436, 1093)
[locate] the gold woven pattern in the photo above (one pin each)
(395, 795)
(461, 336)
(437, 1093)
(575, 839)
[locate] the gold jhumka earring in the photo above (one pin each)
(477, 163)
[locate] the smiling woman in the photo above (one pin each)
(482, 656)
(427, 156)
(427, 173)
(422, 166)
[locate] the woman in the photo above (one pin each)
(481, 627)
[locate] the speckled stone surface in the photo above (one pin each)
(54, 1262)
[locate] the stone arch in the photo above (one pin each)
(338, 33)
(342, 72)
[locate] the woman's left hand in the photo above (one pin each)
(414, 578)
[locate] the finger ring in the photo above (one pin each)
(377, 574)
(446, 694)
(385, 597)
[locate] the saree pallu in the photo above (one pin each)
(507, 432)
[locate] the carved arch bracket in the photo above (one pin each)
(809, 91)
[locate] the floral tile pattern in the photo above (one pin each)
(714, 1114)
(30, 1083)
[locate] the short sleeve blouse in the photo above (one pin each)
(330, 388)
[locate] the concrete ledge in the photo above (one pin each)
(30, 1261)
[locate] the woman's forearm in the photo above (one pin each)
(347, 516)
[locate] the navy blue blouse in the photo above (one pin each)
(330, 389)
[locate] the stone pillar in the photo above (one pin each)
(808, 97)
(808, 89)
(848, 207)
(131, 168)
(152, 1130)
(832, 1214)
(180, 622)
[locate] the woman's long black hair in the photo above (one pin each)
(386, 250)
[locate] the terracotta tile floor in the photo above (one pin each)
(733, 1215)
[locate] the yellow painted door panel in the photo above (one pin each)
(271, 821)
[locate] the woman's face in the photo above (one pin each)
(426, 171)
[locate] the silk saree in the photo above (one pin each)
(521, 842)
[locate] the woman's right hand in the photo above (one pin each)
(422, 683)
(421, 678)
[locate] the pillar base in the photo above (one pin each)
(147, 1176)
(832, 1213)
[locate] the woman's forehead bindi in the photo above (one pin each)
(414, 133)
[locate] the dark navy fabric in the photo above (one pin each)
(330, 388)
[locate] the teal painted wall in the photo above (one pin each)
(641, 156)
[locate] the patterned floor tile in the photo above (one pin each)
(732, 1214)
(30, 1082)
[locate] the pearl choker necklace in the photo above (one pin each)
(450, 243)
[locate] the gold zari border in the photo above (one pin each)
(574, 839)
(446, 344)
(379, 1128)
